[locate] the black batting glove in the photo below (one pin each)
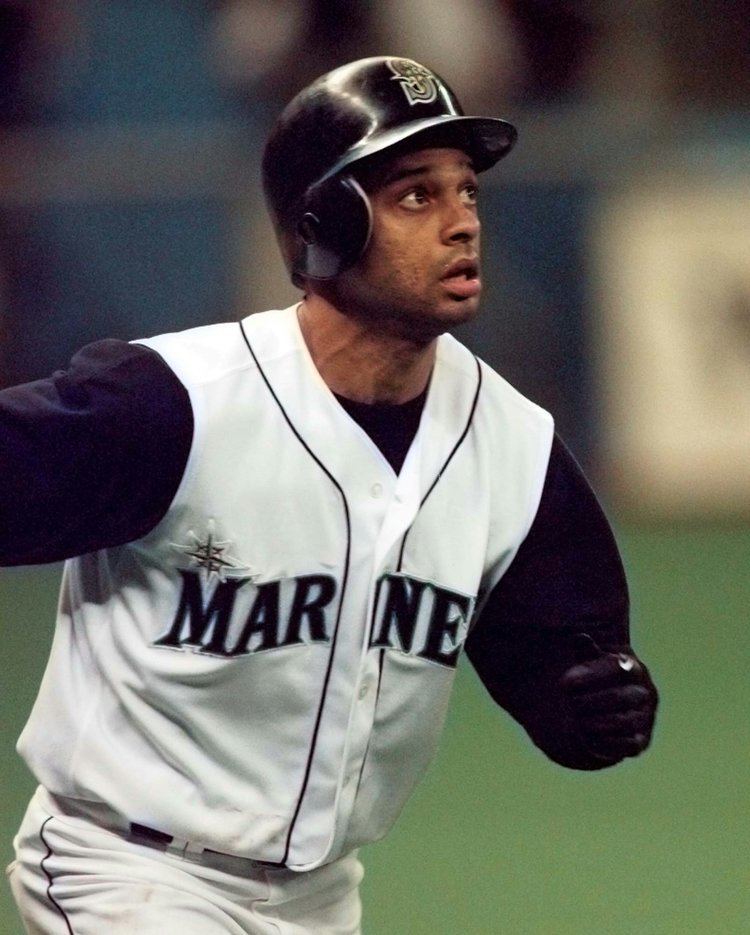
(610, 700)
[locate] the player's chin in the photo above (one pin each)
(455, 310)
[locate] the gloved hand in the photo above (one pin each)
(611, 701)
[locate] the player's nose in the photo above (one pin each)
(461, 223)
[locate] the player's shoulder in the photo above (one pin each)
(496, 393)
(209, 352)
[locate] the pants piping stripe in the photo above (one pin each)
(49, 877)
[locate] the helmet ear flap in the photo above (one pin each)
(334, 228)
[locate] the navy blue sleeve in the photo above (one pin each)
(567, 578)
(91, 457)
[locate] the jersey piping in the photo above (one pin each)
(446, 463)
(344, 581)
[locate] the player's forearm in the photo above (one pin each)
(585, 707)
(524, 673)
(563, 604)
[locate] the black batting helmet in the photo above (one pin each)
(321, 214)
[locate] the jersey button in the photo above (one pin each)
(363, 690)
(376, 490)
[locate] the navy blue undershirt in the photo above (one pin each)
(391, 426)
(92, 457)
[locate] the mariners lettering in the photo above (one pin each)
(200, 626)
(262, 622)
(237, 618)
(312, 595)
(421, 618)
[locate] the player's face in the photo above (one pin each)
(419, 275)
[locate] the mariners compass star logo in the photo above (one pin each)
(210, 555)
(418, 83)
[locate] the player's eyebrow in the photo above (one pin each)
(377, 177)
(397, 175)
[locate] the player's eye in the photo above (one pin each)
(414, 198)
(470, 193)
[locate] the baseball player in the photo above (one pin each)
(280, 535)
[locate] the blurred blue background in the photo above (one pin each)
(617, 271)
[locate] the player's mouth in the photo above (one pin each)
(461, 279)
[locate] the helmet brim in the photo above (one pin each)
(485, 139)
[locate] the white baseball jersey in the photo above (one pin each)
(268, 669)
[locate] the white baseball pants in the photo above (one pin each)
(72, 876)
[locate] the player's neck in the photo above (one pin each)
(359, 363)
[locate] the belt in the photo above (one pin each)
(167, 842)
(104, 816)
(142, 834)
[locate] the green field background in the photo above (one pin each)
(499, 840)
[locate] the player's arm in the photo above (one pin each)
(92, 456)
(552, 643)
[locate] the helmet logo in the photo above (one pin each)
(418, 83)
